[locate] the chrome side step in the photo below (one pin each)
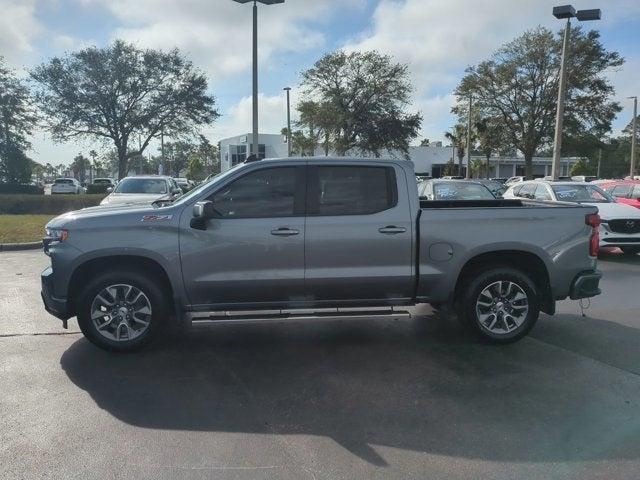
(276, 316)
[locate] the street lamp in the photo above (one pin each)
(254, 143)
(633, 136)
(288, 90)
(568, 12)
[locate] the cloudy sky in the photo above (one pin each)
(437, 38)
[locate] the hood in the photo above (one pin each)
(132, 198)
(93, 213)
(613, 211)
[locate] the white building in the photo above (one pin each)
(428, 161)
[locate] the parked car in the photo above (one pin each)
(620, 225)
(583, 178)
(497, 188)
(266, 239)
(143, 189)
(101, 185)
(440, 189)
(512, 180)
(453, 177)
(624, 191)
(67, 185)
(184, 184)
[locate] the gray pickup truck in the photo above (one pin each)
(306, 237)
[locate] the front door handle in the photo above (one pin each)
(392, 229)
(285, 232)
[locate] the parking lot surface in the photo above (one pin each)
(401, 399)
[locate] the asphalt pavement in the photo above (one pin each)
(388, 399)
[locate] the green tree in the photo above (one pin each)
(490, 138)
(16, 167)
(79, 166)
(364, 96)
(177, 155)
(121, 93)
(458, 138)
(17, 120)
(519, 85)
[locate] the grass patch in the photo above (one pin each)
(46, 204)
(22, 228)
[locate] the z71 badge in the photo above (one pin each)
(156, 218)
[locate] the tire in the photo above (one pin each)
(511, 320)
(630, 250)
(123, 326)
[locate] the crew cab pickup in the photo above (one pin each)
(315, 237)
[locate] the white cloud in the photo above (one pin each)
(272, 116)
(18, 29)
(216, 34)
(438, 39)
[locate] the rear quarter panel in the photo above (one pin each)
(558, 235)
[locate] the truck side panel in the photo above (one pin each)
(450, 237)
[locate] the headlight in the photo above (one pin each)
(57, 234)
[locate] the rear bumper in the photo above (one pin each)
(586, 285)
(55, 306)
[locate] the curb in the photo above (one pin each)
(12, 247)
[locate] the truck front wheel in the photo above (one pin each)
(500, 304)
(121, 310)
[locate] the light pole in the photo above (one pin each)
(288, 90)
(468, 175)
(254, 142)
(633, 137)
(568, 12)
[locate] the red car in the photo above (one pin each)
(624, 191)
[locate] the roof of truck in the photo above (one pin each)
(324, 159)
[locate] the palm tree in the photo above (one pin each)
(458, 139)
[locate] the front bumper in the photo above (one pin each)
(586, 285)
(55, 306)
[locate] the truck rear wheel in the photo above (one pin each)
(122, 310)
(501, 305)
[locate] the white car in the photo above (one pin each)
(620, 223)
(513, 180)
(142, 189)
(67, 185)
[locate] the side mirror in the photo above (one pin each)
(202, 211)
(110, 190)
(176, 191)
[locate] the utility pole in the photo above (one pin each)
(568, 12)
(632, 170)
(562, 87)
(161, 150)
(288, 90)
(254, 143)
(469, 140)
(599, 161)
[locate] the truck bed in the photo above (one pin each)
(500, 203)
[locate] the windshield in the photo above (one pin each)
(142, 185)
(581, 194)
(64, 181)
(196, 191)
(461, 191)
(102, 181)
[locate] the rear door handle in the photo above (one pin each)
(392, 229)
(285, 232)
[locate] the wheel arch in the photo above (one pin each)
(88, 268)
(526, 262)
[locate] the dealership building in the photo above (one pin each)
(429, 161)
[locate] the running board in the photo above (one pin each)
(275, 316)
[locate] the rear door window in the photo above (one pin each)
(527, 190)
(620, 191)
(351, 190)
(542, 193)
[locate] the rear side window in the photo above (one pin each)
(636, 192)
(527, 190)
(268, 192)
(620, 190)
(542, 193)
(346, 190)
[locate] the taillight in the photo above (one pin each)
(593, 220)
